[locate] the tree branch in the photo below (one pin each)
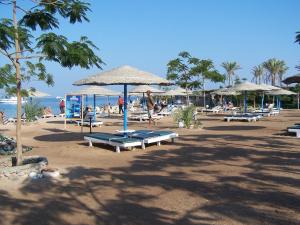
(5, 53)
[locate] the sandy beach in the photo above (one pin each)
(224, 173)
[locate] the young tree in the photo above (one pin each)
(26, 48)
(257, 72)
(179, 71)
(275, 68)
(205, 70)
(230, 68)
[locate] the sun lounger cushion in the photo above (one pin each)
(112, 137)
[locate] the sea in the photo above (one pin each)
(10, 110)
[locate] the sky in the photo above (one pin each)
(148, 34)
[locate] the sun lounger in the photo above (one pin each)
(295, 129)
(114, 140)
(215, 109)
(143, 117)
(243, 117)
(87, 123)
(153, 136)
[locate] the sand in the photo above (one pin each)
(224, 173)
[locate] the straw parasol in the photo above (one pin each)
(248, 86)
(124, 75)
(144, 89)
(175, 92)
(292, 79)
(225, 92)
(279, 92)
(96, 90)
(37, 94)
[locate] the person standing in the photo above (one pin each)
(120, 103)
(62, 106)
(150, 107)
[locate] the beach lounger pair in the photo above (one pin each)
(143, 117)
(215, 109)
(134, 139)
(87, 123)
(243, 117)
(295, 129)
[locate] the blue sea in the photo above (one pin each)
(11, 109)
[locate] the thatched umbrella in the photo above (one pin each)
(248, 86)
(268, 88)
(225, 92)
(124, 75)
(278, 93)
(292, 79)
(142, 89)
(95, 91)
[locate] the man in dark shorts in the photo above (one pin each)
(150, 107)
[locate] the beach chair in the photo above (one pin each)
(250, 117)
(215, 109)
(153, 136)
(93, 123)
(295, 129)
(117, 141)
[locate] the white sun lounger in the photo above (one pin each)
(113, 140)
(249, 118)
(153, 136)
(295, 129)
(87, 123)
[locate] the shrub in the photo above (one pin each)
(185, 115)
(32, 111)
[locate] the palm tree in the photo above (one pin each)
(275, 68)
(257, 72)
(230, 68)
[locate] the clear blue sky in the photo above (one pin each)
(147, 34)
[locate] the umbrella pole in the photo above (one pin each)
(95, 107)
(125, 110)
(143, 101)
(298, 100)
(245, 102)
(262, 101)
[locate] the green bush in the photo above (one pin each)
(185, 115)
(32, 111)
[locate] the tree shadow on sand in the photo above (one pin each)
(190, 184)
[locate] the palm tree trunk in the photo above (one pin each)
(18, 78)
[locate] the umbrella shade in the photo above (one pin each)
(248, 86)
(292, 79)
(176, 92)
(225, 92)
(37, 94)
(270, 87)
(145, 88)
(96, 90)
(280, 92)
(123, 75)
